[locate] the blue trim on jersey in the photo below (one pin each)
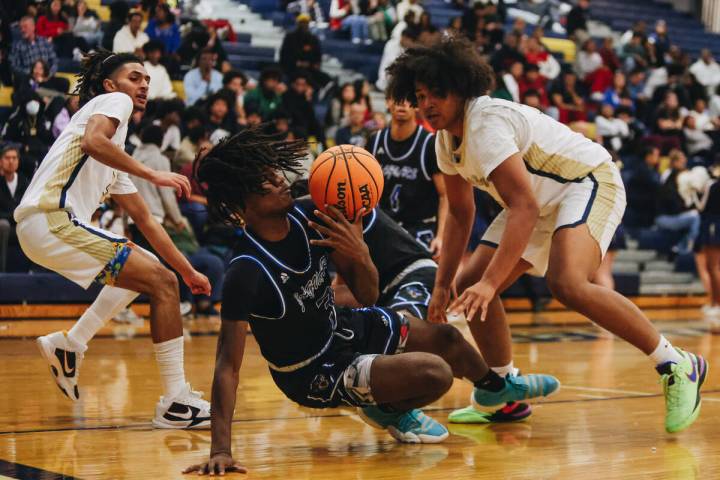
(73, 176)
(277, 260)
(422, 157)
(282, 299)
(371, 222)
(588, 207)
(488, 243)
(552, 176)
(77, 223)
(418, 132)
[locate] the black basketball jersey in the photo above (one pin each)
(712, 205)
(409, 195)
(283, 289)
(392, 249)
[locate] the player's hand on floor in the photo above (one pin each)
(474, 299)
(217, 465)
(198, 283)
(180, 183)
(339, 234)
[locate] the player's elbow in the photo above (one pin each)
(527, 207)
(90, 144)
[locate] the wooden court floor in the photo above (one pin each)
(605, 423)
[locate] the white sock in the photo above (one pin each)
(508, 369)
(169, 357)
(107, 304)
(665, 352)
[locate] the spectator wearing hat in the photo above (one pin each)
(301, 49)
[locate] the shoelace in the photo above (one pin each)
(415, 419)
(673, 394)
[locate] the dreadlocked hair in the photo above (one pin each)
(452, 65)
(96, 67)
(239, 165)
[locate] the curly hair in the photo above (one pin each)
(239, 165)
(96, 67)
(452, 65)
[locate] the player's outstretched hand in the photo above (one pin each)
(438, 304)
(339, 234)
(180, 183)
(198, 283)
(436, 248)
(474, 299)
(217, 465)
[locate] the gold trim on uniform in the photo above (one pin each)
(556, 164)
(605, 199)
(64, 229)
(50, 199)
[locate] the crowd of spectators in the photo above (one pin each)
(640, 95)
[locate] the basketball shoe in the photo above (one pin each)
(516, 388)
(412, 426)
(186, 410)
(512, 412)
(64, 358)
(681, 386)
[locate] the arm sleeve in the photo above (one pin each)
(122, 185)
(239, 288)
(490, 143)
(114, 105)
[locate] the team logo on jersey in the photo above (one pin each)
(319, 383)
(284, 277)
(380, 151)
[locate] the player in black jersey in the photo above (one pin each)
(407, 275)
(414, 193)
(320, 356)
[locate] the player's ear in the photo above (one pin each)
(109, 85)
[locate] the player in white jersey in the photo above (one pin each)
(563, 199)
(86, 163)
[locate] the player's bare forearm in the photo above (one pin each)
(343, 295)
(454, 240)
(361, 277)
(98, 144)
(155, 234)
(230, 351)
(457, 227)
(443, 204)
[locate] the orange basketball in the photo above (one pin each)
(347, 177)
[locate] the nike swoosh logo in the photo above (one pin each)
(693, 377)
(65, 360)
(188, 415)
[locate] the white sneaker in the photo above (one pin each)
(129, 317)
(185, 410)
(185, 308)
(64, 360)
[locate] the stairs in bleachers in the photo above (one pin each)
(684, 30)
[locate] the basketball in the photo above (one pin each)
(347, 177)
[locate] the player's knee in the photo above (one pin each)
(448, 337)
(165, 282)
(564, 288)
(436, 374)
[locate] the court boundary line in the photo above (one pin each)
(333, 415)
